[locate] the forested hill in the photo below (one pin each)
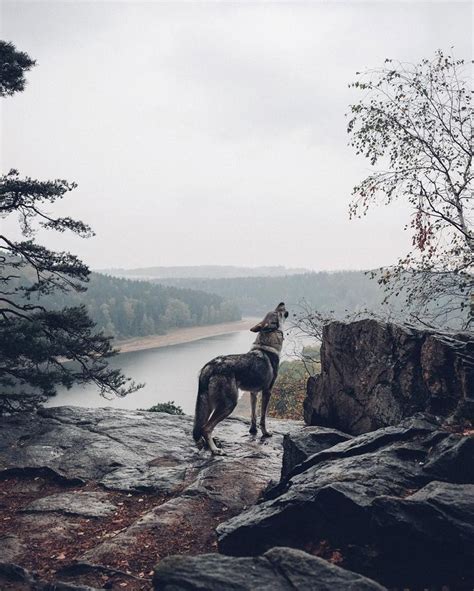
(338, 291)
(126, 308)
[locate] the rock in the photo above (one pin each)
(394, 505)
(336, 497)
(86, 504)
(297, 447)
(127, 480)
(279, 569)
(121, 450)
(16, 578)
(434, 526)
(10, 547)
(375, 374)
(453, 460)
(222, 487)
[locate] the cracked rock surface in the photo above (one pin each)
(118, 490)
(396, 504)
(279, 569)
(128, 450)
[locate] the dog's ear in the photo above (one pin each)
(257, 328)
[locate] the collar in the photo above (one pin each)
(266, 348)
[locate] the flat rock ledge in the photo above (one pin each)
(279, 569)
(96, 497)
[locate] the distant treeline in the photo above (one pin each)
(338, 291)
(202, 271)
(128, 308)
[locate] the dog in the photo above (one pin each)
(254, 372)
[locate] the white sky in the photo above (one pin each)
(207, 132)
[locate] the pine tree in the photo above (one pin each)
(36, 342)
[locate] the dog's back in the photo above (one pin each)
(252, 371)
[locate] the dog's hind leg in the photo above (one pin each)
(203, 409)
(265, 400)
(225, 394)
(253, 403)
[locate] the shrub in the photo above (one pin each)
(169, 407)
(290, 388)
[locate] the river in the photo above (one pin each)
(170, 373)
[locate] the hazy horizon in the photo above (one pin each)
(211, 133)
(250, 267)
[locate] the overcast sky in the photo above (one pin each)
(211, 133)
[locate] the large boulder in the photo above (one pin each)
(375, 374)
(279, 569)
(381, 501)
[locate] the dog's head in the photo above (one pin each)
(282, 312)
(273, 320)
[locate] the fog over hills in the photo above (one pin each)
(203, 271)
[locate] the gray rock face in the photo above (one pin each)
(86, 504)
(358, 496)
(375, 374)
(297, 447)
(280, 569)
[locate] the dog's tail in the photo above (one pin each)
(202, 407)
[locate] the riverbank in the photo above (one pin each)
(183, 335)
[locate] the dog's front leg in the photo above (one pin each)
(265, 400)
(253, 403)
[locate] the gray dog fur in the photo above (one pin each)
(255, 371)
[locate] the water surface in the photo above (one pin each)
(170, 373)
